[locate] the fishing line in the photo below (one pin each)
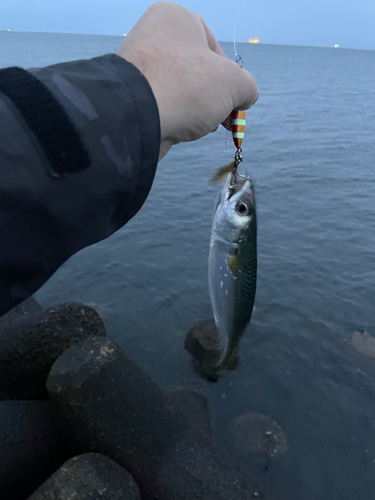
(236, 121)
(237, 57)
(228, 123)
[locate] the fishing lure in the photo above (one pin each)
(235, 123)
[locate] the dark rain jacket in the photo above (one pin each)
(79, 145)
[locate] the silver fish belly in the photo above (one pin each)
(232, 263)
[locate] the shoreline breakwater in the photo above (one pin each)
(77, 415)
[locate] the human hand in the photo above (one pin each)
(195, 85)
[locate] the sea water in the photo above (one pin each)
(310, 147)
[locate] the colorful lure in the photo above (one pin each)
(238, 127)
(235, 123)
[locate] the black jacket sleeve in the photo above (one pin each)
(47, 215)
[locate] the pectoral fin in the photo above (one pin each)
(232, 261)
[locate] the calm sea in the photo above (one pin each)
(310, 146)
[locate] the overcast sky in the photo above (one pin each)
(349, 23)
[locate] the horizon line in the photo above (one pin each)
(220, 41)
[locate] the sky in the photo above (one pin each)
(349, 23)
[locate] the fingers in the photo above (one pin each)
(241, 83)
(245, 90)
(195, 85)
(248, 91)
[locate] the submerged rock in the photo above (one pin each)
(203, 343)
(258, 435)
(363, 343)
(194, 405)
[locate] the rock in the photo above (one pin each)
(30, 344)
(31, 448)
(193, 404)
(258, 435)
(107, 404)
(202, 342)
(89, 477)
(363, 343)
(98, 308)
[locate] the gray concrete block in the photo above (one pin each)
(31, 448)
(26, 308)
(89, 477)
(30, 344)
(107, 404)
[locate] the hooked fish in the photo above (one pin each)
(233, 260)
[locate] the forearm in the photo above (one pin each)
(47, 215)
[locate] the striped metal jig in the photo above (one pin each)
(236, 123)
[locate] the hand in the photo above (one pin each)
(195, 85)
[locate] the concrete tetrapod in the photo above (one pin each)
(30, 343)
(23, 310)
(108, 405)
(31, 448)
(89, 477)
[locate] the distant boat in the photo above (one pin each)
(254, 40)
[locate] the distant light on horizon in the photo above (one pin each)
(336, 45)
(254, 40)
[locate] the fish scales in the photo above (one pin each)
(247, 277)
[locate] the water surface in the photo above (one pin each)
(310, 147)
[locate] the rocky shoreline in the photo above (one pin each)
(80, 420)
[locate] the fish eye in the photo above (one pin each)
(243, 209)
